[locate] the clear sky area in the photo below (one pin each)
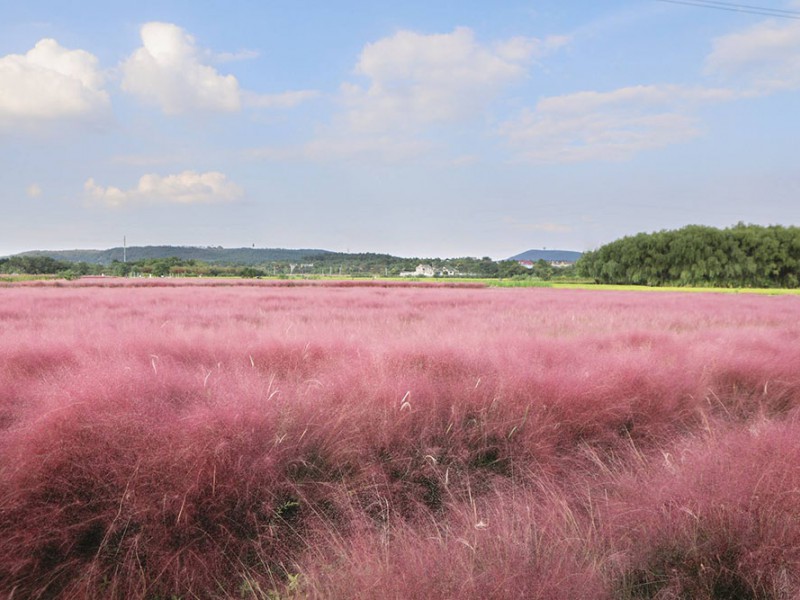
(416, 128)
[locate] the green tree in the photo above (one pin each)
(741, 256)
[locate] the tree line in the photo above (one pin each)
(44, 265)
(329, 263)
(740, 256)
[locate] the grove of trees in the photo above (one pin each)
(739, 256)
(44, 265)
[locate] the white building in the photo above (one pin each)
(421, 271)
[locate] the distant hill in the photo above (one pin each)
(219, 255)
(549, 255)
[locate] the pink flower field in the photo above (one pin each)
(249, 441)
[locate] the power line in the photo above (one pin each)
(749, 8)
(742, 8)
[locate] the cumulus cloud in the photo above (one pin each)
(417, 79)
(765, 57)
(608, 125)
(188, 187)
(170, 72)
(166, 71)
(51, 82)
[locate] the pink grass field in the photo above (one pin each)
(397, 442)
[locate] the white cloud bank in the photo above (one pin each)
(188, 187)
(765, 57)
(169, 71)
(417, 79)
(611, 125)
(616, 125)
(51, 82)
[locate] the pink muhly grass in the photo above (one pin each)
(718, 520)
(220, 282)
(252, 440)
(502, 545)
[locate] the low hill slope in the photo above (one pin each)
(548, 255)
(241, 256)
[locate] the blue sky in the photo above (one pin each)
(435, 128)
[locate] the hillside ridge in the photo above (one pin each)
(209, 254)
(548, 255)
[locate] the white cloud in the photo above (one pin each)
(416, 82)
(634, 98)
(169, 71)
(166, 71)
(618, 124)
(608, 125)
(34, 190)
(765, 57)
(417, 79)
(51, 82)
(188, 187)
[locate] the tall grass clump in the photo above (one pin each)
(717, 521)
(252, 441)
